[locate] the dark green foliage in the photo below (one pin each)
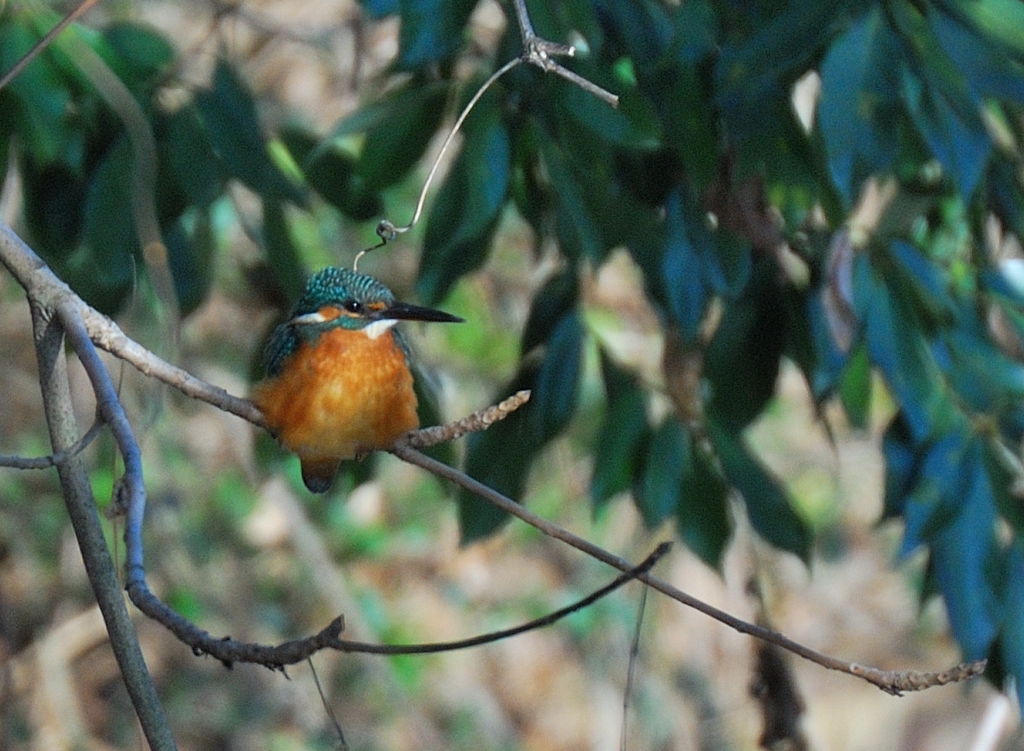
(228, 111)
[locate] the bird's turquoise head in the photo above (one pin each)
(340, 298)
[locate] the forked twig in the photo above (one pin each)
(58, 457)
(536, 51)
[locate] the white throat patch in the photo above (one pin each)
(377, 328)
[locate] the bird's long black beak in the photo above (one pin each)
(403, 311)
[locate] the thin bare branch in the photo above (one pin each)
(45, 42)
(81, 507)
(43, 287)
(45, 462)
(230, 651)
(474, 423)
(890, 682)
(450, 646)
(541, 52)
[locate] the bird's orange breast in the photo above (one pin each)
(340, 397)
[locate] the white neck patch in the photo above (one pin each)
(377, 328)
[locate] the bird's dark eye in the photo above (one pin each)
(353, 306)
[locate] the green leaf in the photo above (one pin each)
(997, 21)
(768, 506)
(633, 124)
(989, 71)
(901, 463)
(965, 564)
(691, 127)
(698, 263)
(500, 458)
(141, 55)
(554, 398)
(191, 245)
(54, 202)
(42, 100)
(552, 302)
(228, 111)
(743, 358)
(287, 270)
(859, 106)
(896, 345)
(624, 434)
(770, 57)
(402, 127)
(666, 464)
(951, 125)
(431, 30)
(702, 517)
(933, 499)
(333, 174)
(1012, 633)
(644, 29)
(189, 155)
(695, 31)
(430, 412)
(575, 223)
(108, 228)
(377, 9)
(467, 208)
(855, 389)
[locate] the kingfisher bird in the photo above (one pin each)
(338, 384)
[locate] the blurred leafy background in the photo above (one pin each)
(787, 266)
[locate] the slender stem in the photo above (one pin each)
(546, 620)
(45, 462)
(112, 412)
(45, 42)
(85, 519)
(889, 681)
